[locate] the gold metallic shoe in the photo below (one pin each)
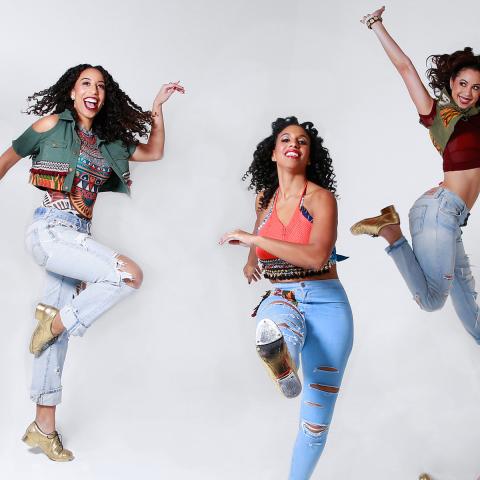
(424, 476)
(272, 349)
(42, 335)
(373, 225)
(50, 444)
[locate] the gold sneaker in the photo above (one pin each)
(42, 335)
(373, 225)
(424, 476)
(50, 444)
(272, 349)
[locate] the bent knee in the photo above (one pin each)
(134, 277)
(430, 304)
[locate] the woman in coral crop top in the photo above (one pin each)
(307, 312)
(437, 266)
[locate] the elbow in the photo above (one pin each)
(155, 156)
(404, 66)
(319, 261)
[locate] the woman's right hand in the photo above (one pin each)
(252, 272)
(376, 13)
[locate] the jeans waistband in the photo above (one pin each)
(440, 192)
(308, 284)
(68, 219)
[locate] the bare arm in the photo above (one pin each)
(418, 93)
(9, 158)
(153, 149)
(251, 270)
(313, 255)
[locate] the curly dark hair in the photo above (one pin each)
(119, 118)
(447, 66)
(264, 172)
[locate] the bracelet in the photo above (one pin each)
(372, 20)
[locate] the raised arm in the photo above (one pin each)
(153, 149)
(418, 93)
(313, 255)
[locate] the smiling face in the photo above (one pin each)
(88, 95)
(466, 88)
(292, 148)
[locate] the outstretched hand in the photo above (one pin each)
(237, 237)
(166, 92)
(376, 13)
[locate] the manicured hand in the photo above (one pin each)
(238, 237)
(252, 272)
(376, 13)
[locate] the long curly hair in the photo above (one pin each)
(118, 119)
(447, 66)
(263, 171)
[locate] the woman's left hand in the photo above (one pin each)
(238, 237)
(166, 92)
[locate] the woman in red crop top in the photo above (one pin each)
(307, 312)
(436, 265)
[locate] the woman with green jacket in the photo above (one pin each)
(81, 146)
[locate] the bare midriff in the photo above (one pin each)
(464, 183)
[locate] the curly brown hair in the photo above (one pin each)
(119, 119)
(447, 66)
(264, 172)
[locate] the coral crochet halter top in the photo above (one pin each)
(296, 231)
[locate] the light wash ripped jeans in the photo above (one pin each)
(315, 319)
(437, 265)
(61, 243)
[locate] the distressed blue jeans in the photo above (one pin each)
(61, 243)
(437, 265)
(316, 321)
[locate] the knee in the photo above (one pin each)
(431, 303)
(134, 277)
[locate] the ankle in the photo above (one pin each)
(45, 426)
(57, 326)
(391, 233)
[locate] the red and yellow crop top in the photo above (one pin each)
(462, 151)
(297, 231)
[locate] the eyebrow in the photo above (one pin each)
(88, 78)
(466, 81)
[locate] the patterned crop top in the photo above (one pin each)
(297, 231)
(91, 172)
(462, 151)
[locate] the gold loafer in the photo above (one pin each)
(373, 225)
(42, 335)
(272, 349)
(424, 476)
(50, 444)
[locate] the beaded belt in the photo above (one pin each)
(278, 269)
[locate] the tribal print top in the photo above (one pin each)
(92, 171)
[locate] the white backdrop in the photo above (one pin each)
(167, 385)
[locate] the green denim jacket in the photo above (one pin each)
(55, 153)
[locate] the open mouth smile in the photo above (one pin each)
(91, 103)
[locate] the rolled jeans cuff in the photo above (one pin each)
(397, 244)
(48, 399)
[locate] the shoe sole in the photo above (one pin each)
(272, 349)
